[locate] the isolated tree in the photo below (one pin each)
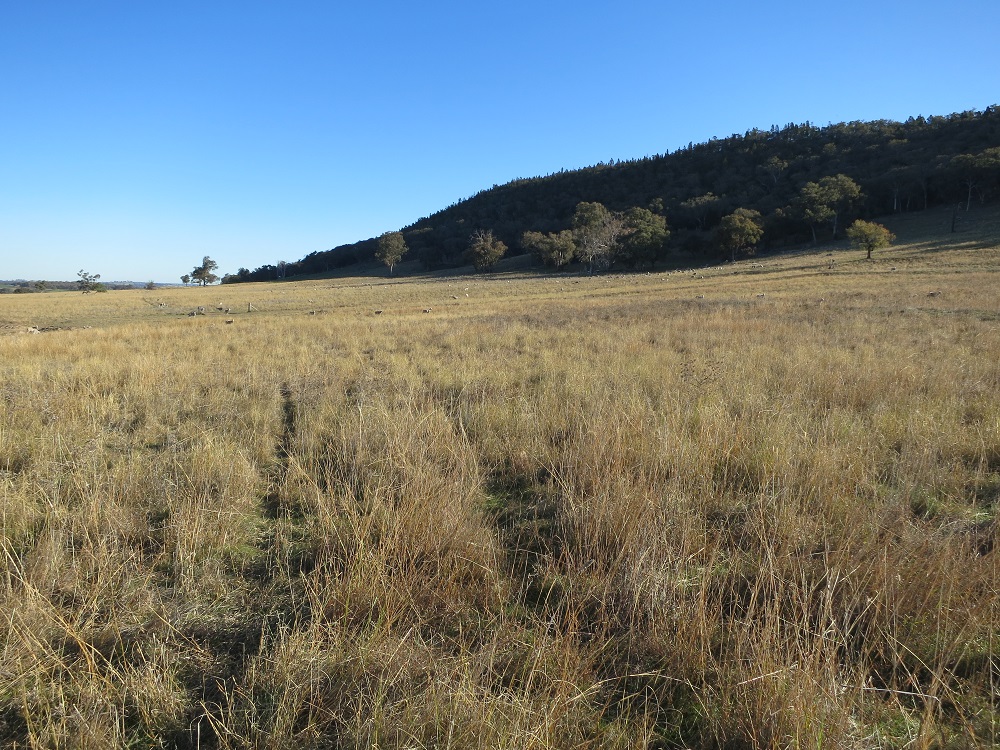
(869, 236)
(740, 230)
(186, 279)
(555, 249)
(88, 281)
(203, 274)
(826, 200)
(391, 248)
(150, 285)
(644, 236)
(596, 232)
(484, 249)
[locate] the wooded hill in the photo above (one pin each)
(792, 175)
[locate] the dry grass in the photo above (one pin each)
(557, 512)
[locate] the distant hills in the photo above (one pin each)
(23, 286)
(780, 173)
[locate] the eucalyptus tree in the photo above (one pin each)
(975, 170)
(869, 236)
(701, 208)
(204, 274)
(555, 249)
(391, 249)
(644, 236)
(88, 282)
(596, 232)
(740, 230)
(485, 250)
(827, 200)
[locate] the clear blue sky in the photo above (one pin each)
(137, 137)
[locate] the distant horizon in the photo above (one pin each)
(102, 281)
(138, 139)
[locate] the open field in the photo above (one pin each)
(743, 506)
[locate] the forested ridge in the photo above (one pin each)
(806, 183)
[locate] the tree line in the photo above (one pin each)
(795, 183)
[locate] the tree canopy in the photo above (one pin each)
(826, 200)
(485, 250)
(555, 249)
(645, 236)
(391, 249)
(740, 230)
(203, 274)
(869, 236)
(596, 231)
(88, 282)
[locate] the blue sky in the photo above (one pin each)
(137, 137)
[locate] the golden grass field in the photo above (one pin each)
(554, 511)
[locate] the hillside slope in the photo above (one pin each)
(899, 166)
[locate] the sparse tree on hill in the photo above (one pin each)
(186, 279)
(555, 249)
(826, 200)
(485, 250)
(701, 208)
(391, 249)
(644, 236)
(976, 169)
(203, 274)
(740, 230)
(772, 170)
(869, 236)
(596, 232)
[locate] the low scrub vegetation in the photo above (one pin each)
(750, 507)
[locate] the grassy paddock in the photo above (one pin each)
(632, 511)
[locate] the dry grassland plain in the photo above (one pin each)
(750, 506)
